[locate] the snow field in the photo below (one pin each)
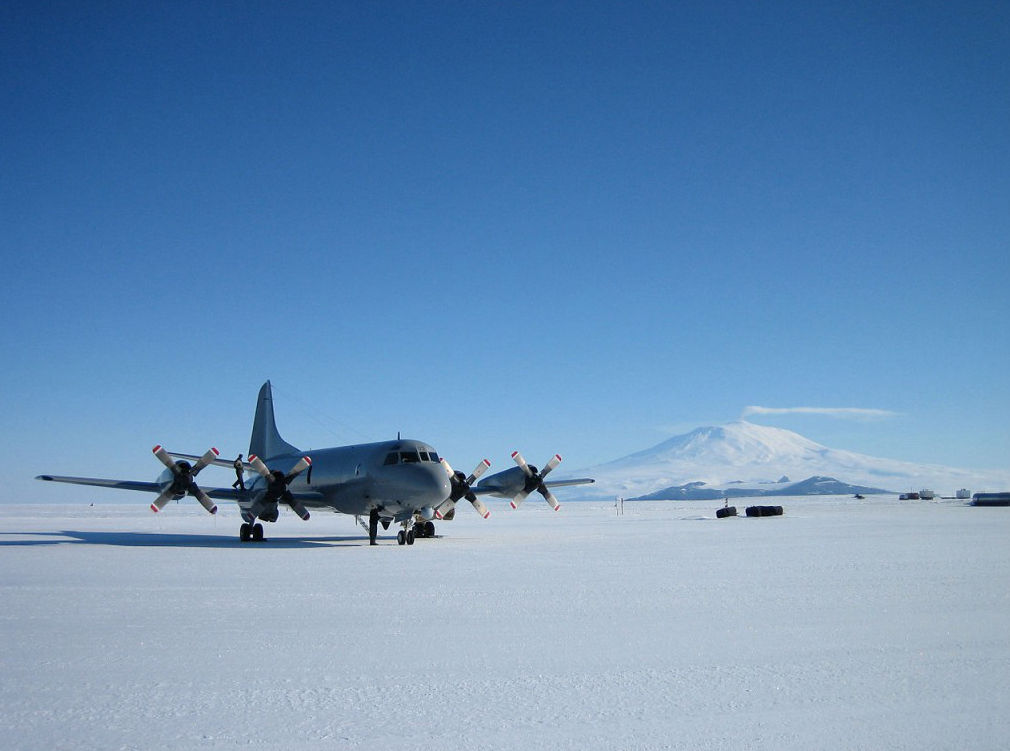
(840, 625)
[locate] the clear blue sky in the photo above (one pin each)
(574, 227)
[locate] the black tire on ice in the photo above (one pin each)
(764, 511)
(726, 511)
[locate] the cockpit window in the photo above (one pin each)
(410, 457)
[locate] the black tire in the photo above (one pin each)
(410, 537)
(726, 511)
(764, 511)
(429, 529)
(244, 533)
(401, 538)
(257, 532)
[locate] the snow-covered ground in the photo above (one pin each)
(841, 625)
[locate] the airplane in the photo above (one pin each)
(403, 481)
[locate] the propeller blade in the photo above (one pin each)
(211, 454)
(164, 458)
(259, 466)
(161, 500)
(549, 497)
(522, 463)
(303, 464)
(478, 471)
(555, 461)
(517, 501)
(478, 504)
(445, 510)
(204, 499)
(445, 465)
(297, 506)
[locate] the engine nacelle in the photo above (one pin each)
(427, 513)
(166, 480)
(505, 484)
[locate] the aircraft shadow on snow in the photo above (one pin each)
(170, 540)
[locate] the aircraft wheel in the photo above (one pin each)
(401, 538)
(429, 529)
(257, 532)
(244, 533)
(410, 537)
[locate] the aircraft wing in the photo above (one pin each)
(229, 463)
(499, 489)
(147, 487)
(563, 483)
(226, 494)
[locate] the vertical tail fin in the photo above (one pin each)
(266, 442)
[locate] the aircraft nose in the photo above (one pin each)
(430, 482)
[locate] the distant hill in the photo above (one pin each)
(816, 485)
(742, 458)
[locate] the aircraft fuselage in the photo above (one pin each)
(396, 477)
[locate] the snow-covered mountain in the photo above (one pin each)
(741, 454)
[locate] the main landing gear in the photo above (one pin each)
(251, 532)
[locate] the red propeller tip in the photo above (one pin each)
(514, 454)
(216, 452)
(154, 508)
(487, 514)
(156, 449)
(513, 504)
(307, 460)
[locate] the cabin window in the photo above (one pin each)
(409, 457)
(434, 456)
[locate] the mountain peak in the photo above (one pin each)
(748, 454)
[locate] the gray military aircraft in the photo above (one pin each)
(402, 481)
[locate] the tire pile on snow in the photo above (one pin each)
(726, 511)
(764, 511)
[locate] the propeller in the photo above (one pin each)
(182, 479)
(535, 480)
(460, 488)
(277, 483)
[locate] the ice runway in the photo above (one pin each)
(842, 625)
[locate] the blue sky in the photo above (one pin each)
(555, 227)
